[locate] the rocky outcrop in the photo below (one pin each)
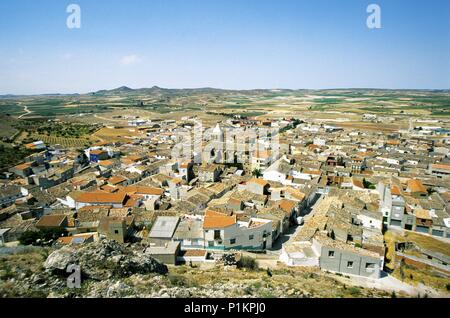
(103, 260)
(227, 259)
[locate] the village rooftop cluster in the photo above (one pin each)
(322, 198)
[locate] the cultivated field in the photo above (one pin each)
(160, 102)
(63, 141)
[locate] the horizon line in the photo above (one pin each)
(225, 89)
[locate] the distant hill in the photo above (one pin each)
(159, 91)
(119, 90)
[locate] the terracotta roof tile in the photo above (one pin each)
(263, 154)
(23, 166)
(415, 186)
(395, 190)
(143, 190)
(101, 197)
(116, 179)
(422, 214)
(357, 183)
(287, 205)
(51, 220)
(193, 253)
(106, 163)
(258, 181)
(214, 220)
(440, 166)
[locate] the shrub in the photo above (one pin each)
(6, 273)
(256, 173)
(178, 280)
(313, 275)
(30, 237)
(354, 291)
(248, 263)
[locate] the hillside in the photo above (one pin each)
(36, 268)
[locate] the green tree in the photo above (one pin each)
(256, 173)
(30, 237)
(368, 184)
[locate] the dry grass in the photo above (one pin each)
(411, 274)
(429, 243)
(310, 280)
(426, 276)
(424, 241)
(390, 238)
(369, 126)
(14, 268)
(117, 134)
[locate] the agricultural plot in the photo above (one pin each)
(48, 107)
(6, 128)
(116, 134)
(63, 141)
(10, 108)
(171, 101)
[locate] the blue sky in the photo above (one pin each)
(236, 44)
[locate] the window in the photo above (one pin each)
(217, 234)
(370, 267)
(232, 241)
(349, 264)
(251, 237)
(331, 254)
(116, 231)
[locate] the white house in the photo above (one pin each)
(278, 172)
(116, 200)
(371, 220)
(299, 254)
(225, 232)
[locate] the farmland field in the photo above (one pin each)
(115, 134)
(160, 102)
(63, 141)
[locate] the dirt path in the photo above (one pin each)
(26, 110)
(390, 283)
(121, 121)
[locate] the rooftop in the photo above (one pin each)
(51, 220)
(164, 227)
(214, 220)
(101, 197)
(261, 182)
